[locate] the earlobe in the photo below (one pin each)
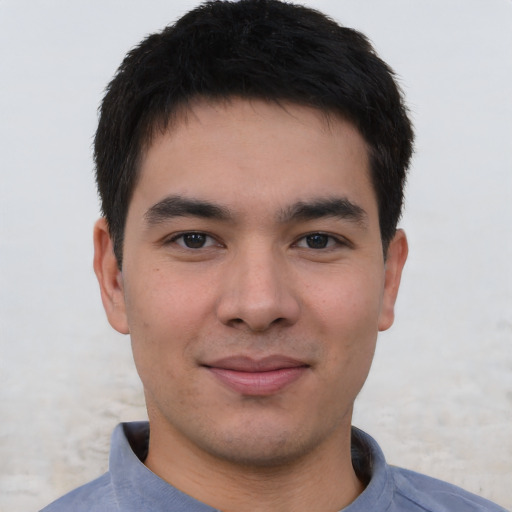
(395, 261)
(109, 278)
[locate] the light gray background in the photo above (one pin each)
(439, 399)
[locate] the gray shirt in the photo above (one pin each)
(129, 486)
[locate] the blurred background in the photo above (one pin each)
(439, 398)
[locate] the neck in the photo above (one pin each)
(324, 480)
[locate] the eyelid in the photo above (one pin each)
(213, 241)
(339, 241)
(173, 239)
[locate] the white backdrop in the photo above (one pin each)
(439, 398)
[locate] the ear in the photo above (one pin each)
(395, 261)
(109, 277)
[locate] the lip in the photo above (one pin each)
(257, 377)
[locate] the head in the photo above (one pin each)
(251, 161)
(252, 49)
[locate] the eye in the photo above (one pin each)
(318, 241)
(193, 240)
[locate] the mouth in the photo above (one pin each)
(257, 377)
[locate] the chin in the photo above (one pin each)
(263, 445)
(259, 454)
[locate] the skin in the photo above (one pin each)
(257, 279)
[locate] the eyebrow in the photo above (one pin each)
(337, 207)
(178, 206)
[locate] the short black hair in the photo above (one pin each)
(255, 49)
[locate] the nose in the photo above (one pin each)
(258, 292)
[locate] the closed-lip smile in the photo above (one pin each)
(257, 377)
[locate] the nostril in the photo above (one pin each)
(256, 308)
(240, 323)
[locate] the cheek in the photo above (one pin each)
(348, 302)
(346, 311)
(164, 299)
(165, 316)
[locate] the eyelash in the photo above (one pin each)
(331, 241)
(178, 236)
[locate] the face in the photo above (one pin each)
(253, 282)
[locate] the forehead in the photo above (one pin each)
(257, 152)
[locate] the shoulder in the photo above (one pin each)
(394, 489)
(97, 495)
(413, 489)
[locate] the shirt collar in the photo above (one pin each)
(137, 488)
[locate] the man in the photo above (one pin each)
(251, 162)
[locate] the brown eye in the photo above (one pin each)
(317, 241)
(193, 240)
